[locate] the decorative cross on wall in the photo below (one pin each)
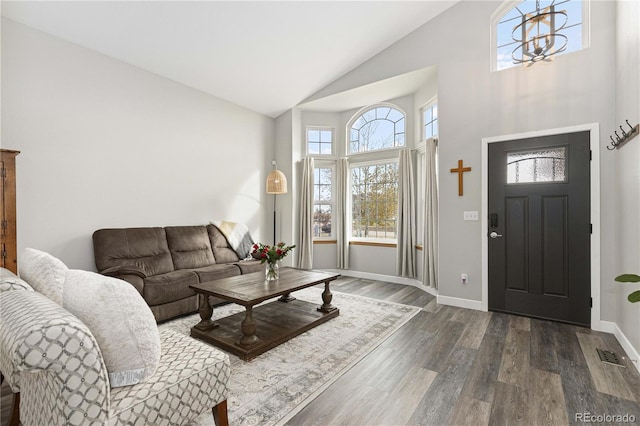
(460, 170)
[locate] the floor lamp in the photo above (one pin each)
(276, 184)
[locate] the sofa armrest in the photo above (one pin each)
(130, 274)
(117, 271)
(62, 376)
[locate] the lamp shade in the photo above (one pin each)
(276, 182)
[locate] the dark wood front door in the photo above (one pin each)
(539, 227)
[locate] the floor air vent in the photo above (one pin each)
(609, 357)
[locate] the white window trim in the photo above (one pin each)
(353, 165)
(333, 141)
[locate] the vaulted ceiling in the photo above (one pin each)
(265, 56)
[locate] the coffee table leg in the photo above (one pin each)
(286, 298)
(326, 298)
(206, 311)
(248, 328)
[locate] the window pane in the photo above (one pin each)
(322, 184)
(369, 115)
(430, 122)
(322, 220)
(319, 142)
(543, 165)
(313, 136)
(428, 131)
(381, 113)
(395, 115)
(427, 115)
(375, 201)
(506, 29)
(324, 176)
(377, 129)
(359, 123)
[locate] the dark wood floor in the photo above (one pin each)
(456, 366)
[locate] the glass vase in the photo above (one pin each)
(272, 271)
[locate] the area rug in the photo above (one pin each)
(275, 386)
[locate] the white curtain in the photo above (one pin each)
(430, 269)
(341, 215)
(406, 254)
(305, 249)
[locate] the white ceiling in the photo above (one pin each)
(263, 55)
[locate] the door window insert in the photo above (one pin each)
(540, 165)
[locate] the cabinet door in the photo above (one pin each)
(8, 235)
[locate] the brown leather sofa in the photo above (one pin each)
(161, 263)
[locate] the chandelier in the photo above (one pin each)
(537, 35)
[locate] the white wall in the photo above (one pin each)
(105, 144)
(576, 88)
(627, 174)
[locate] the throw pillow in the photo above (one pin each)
(10, 281)
(45, 273)
(120, 320)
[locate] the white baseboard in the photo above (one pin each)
(388, 278)
(632, 353)
(460, 303)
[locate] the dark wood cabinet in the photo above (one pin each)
(8, 232)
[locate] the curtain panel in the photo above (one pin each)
(342, 213)
(430, 264)
(305, 249)
(406, 248)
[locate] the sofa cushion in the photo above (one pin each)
(191, 379)
(143, 248)
(189, 246)
(168, 287)
(121, 322)
(221, 250)
(10, 281)
(45, 273)
(215, 272)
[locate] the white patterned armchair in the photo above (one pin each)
(53, 360)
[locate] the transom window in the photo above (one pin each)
(319, 141)
(430, 121)
(380, 127)
(516, 23)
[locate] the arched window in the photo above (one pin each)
(379, 127)
(528, 31)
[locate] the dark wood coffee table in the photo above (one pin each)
(250, 333)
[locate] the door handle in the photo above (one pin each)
(494, 235)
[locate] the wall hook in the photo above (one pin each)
(626, 136)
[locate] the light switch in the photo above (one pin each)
(473, 215)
